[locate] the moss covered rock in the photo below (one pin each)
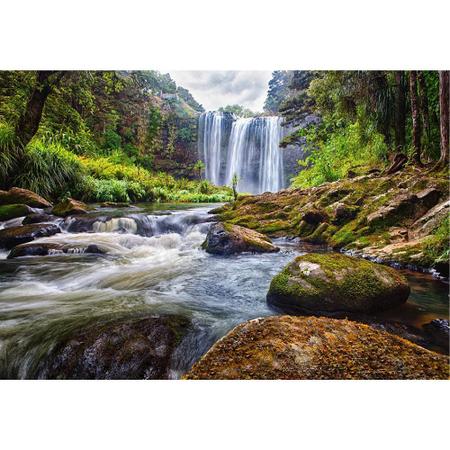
(10, 237)
(228, 239)
(332, 282)
(133, 348)
(8, 212)
(23, 196)
(286, 347)
(69, 207)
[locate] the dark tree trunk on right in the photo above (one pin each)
(444, 108)
(415, 113)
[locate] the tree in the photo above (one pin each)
(30, 119)
(234, 183)
(199, 167)
(415, 114)
(444, 93)
(424, 107)
(400, 110)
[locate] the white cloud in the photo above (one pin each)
(214, 89)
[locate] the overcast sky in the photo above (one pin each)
(214, 89)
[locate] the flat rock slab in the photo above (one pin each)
(294, 348)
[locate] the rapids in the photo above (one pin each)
(151, 263)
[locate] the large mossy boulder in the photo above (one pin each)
(69, 207)
(332, 282)
(228, 239)
(286, 347)
(130, 348)
(23, 196)
(10, 237)
(13, 211)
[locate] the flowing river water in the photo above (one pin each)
(152, 263)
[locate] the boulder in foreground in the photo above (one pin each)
(286, 347)
(132, 348)
(10, 237)
(228, 239)
(69, 207)
(23, 196)
(332, 282)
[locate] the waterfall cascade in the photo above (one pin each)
(247, 147)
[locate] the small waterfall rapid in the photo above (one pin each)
(247, 147)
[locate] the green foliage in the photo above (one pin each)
(239, 110)
(333, 155)
(234, 183)
(49, 169)
(7, 150)
(437, 246)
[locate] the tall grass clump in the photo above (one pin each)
(50, 170)
(7, 151)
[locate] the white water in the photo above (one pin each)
(252, 153)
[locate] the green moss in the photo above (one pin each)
(8, 212)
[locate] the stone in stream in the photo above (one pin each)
(228, 239)
(69, 207)
(133, 348)
(332, 282)
(38, 218)
(51, 248)
(10, 237)
(286, 347)
(23, 196)
(438, 330)
(8, 212)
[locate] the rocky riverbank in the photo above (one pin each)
(400, 218)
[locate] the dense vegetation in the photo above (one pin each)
(368, 119)
(100, 136)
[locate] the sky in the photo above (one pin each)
(214, 89)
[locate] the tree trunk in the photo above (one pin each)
(444, 108)
(424, 107)
(28, 123)
(415, 112)
(400, 111)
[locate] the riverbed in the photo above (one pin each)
(151, 263)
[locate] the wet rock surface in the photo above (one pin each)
(51, 248)
(136, 348)
(23, 196)
(10, 237)
(69, 207)
(438, 330)
(38, 218)
(334, 282)
(287, 347)
(227, 239)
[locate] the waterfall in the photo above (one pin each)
(250, 149)
(210, 135)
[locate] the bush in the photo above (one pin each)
(105, 190)
(50, 170)
(7, 150)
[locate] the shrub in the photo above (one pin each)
(50, 170)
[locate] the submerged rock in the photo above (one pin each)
(10, 237)
(8, 212)
(23, 196)
(136, 348)
(438, 330)
(38, 218)
(227, 239)
(333, 282)
(286, 347)
(69, 207)
(51, 248)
